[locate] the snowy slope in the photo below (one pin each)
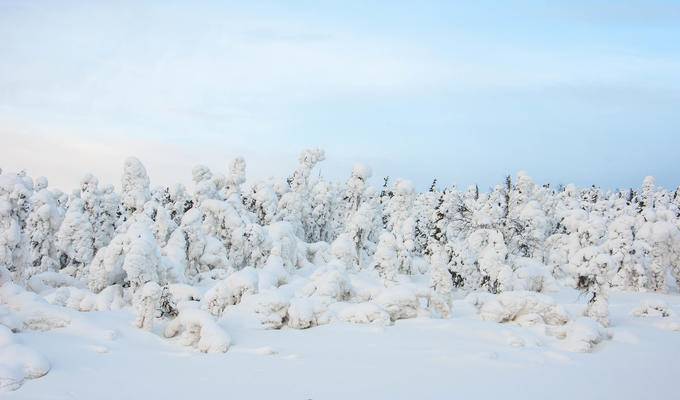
(103, 355)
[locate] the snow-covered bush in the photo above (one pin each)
(400, 302)
(230, 291)
(363, 313)
(523, 308)
(580, 335)
(147, 304)
(272, 309)
(197, 328)
(652, 308)
(307, 312)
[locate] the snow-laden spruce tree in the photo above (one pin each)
(75, 239)
(526, 225)
(359, 220)
(402, 223)
(262, 201)
(441, 282)
(134, 186)
(663, 236)
(41, 228)
(132, 259)
(205, 187)
(631, 256)
(15, 191)
(295, 205)
(386, 258)
(486, 250)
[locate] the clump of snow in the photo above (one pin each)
(45, 281)
(230, 291)
(197, 328)
(363, 313)
(524, 308)
(400, 302)
(305, 313)
(652, 308)
(580, 335)
(35, 312)
(272, 309)
(328, 282)
(146, 304)
(79, 299)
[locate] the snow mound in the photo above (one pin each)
(531, 275)
(18, 362)
(305, 313)
(580, 335)
(183, 292)
(400, 302)
(272, 310)
(524, 308)
(34, 312)
(328, 282)
(652, 308)
(363, 313)
(45, 281)
(197, 328)
(111, 298)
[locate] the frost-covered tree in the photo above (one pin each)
(75, 239)
(41, 229)
(386, 258)
(441, 282)
(402, 223)
(134, 186)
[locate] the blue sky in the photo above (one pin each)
(579, 91)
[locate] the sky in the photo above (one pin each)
(584, 92)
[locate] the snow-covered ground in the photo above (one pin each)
(103, 355)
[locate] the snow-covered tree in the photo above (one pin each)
(134, 186)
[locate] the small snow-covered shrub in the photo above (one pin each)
(399, 302)
(308, 312)
(652, 308)
(230, 291)
(531, 275)
(147, 305)
(580, 335)
(110, 298)
(45, 281)
(524, 308)
(272, 310)
(197, 328)
(328, 282)
(363, 313)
